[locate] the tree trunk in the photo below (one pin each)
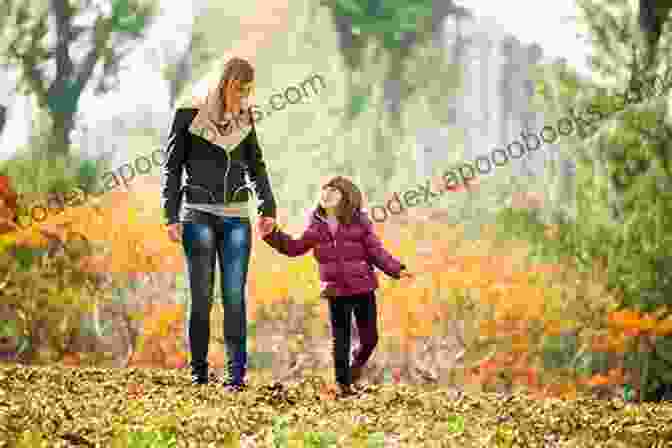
(652, 17)
(392, 89)
(3, 117)
(385, 157)
(59, 140)
(351, 48)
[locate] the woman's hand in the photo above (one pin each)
(175, 232)
(405, 274)
(265, 225)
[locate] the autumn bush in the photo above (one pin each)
(626, 341)
(42, 288)
(619, 221)
(479, 313)
(516, 310)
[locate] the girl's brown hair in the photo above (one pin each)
(351, 202)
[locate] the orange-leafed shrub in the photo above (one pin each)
(491, 286)
(160, 344)
(42, 282)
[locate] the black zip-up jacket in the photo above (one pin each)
(213, 175)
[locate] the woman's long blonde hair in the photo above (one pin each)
(237, 71)
(218, 110)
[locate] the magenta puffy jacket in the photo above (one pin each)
(345, 260)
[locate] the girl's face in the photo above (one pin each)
(330, 198)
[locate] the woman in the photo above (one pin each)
(216, 142)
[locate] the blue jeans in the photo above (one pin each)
(206, 237)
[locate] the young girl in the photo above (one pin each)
(346, 249)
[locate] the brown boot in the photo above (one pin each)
(344, 391)
(356, 374)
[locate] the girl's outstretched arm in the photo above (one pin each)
(380, 257)
(287, 245)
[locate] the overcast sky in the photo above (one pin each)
(542, 21)
(530, 21)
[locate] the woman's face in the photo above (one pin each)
(241, 93)
(330, 197)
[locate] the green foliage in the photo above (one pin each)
(67, 101)
(558, 351)
(313, 439)
(155, 439)
(638, 251)
(25, 256)
(385, 21)
(455, 423)
(376, 440)
(654, 370)
(664, 349)
(590, 363)
(22, 38)
(358, 104)
(19, 342)
(125, 19)
(89, 173)
(9, 329)
(614, 29)
(34, 175)
(624, 186)
(280, 432)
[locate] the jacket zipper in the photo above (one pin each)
(226, 176)
(226, 182)
(226, 179)
(331, 235)
(333, 241)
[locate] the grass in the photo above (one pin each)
(60, 407)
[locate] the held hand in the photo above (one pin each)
(265, 225)
(175, 232)
(405, 274)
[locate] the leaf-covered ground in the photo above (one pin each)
(59, 407)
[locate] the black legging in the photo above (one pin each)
(340, 310)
